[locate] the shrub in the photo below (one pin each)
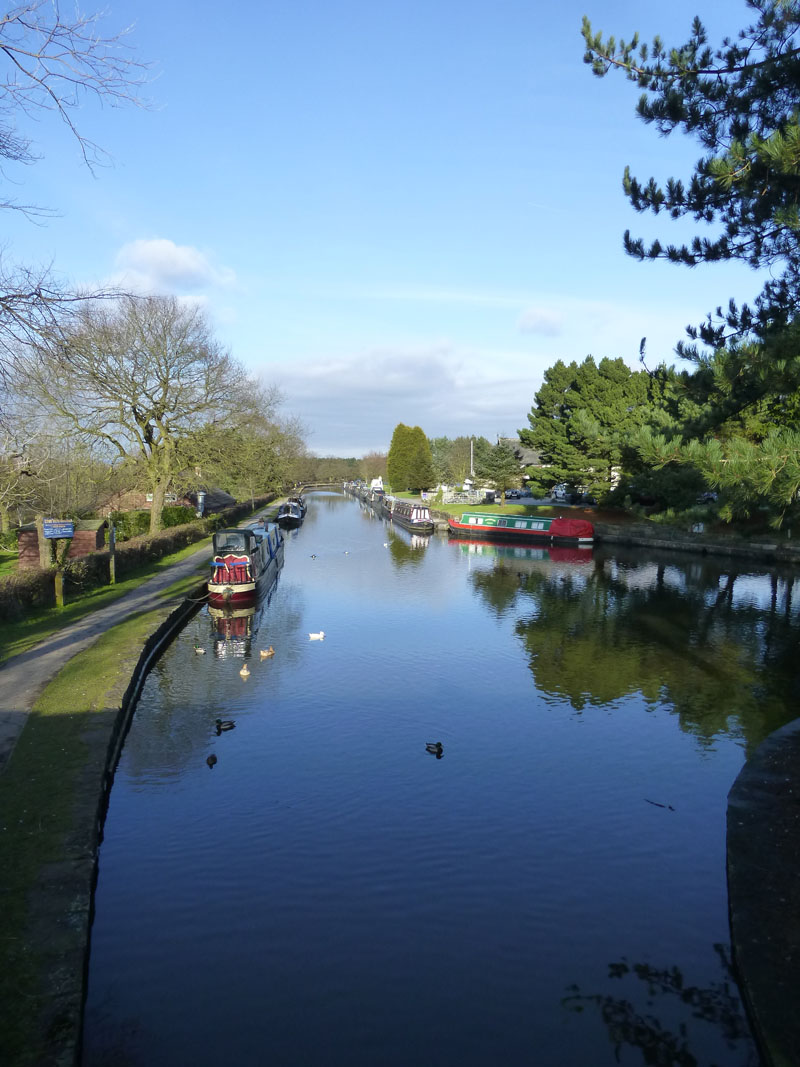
(176, 515)
(22, 592)
(130, 524)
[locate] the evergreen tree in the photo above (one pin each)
(742, 102)
(398, 463)
(501, 467)
(410, 462)
(422, 474)
(582, 419)
(481, 447)
(441, 450)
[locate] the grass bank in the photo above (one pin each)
(50, 797)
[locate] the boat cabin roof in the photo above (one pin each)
(238, 541)
(510, 522)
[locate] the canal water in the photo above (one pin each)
(482, 821)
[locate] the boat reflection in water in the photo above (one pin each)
(404, 546)
(534, 553)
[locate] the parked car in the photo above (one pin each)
(513, 494)
(560, 492)
(707, 498)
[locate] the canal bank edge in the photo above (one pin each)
(766, 550)
(41, 1007)
(764, 892)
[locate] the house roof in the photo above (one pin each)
(215, 499)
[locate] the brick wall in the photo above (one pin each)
(84, 542)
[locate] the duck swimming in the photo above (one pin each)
(244, 671)
(435, 748)
(266, 652)
(317, 637)
(199, 650)
(212, 759)
(224, 724)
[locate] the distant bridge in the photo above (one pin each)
(306, 486)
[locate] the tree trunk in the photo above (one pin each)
(157, 506)
(45, 545)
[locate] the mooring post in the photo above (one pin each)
(112, 557)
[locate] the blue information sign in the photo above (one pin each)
(55, 528)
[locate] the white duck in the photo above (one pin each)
(317, 637)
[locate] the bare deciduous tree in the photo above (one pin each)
(50, 64)
(254, 454)
(142, 376)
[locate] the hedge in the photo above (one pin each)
(33, 589)
(128, 524)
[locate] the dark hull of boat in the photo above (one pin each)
(410, 525)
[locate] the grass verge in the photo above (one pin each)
(49, 798)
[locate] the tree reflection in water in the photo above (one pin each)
(670, 1045)
(678, 632)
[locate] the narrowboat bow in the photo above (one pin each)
(291, 513)
(244, 561)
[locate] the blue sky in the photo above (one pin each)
(395, 211)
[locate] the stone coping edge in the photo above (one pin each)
(763, 841)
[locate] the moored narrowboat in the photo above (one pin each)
(522, 528)
(291, 513)
(412, 516)
(245, 560)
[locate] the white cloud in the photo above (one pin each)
(159, 265)
(352, 405)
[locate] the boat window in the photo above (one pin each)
(230, 541)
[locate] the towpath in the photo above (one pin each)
(23, 677)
